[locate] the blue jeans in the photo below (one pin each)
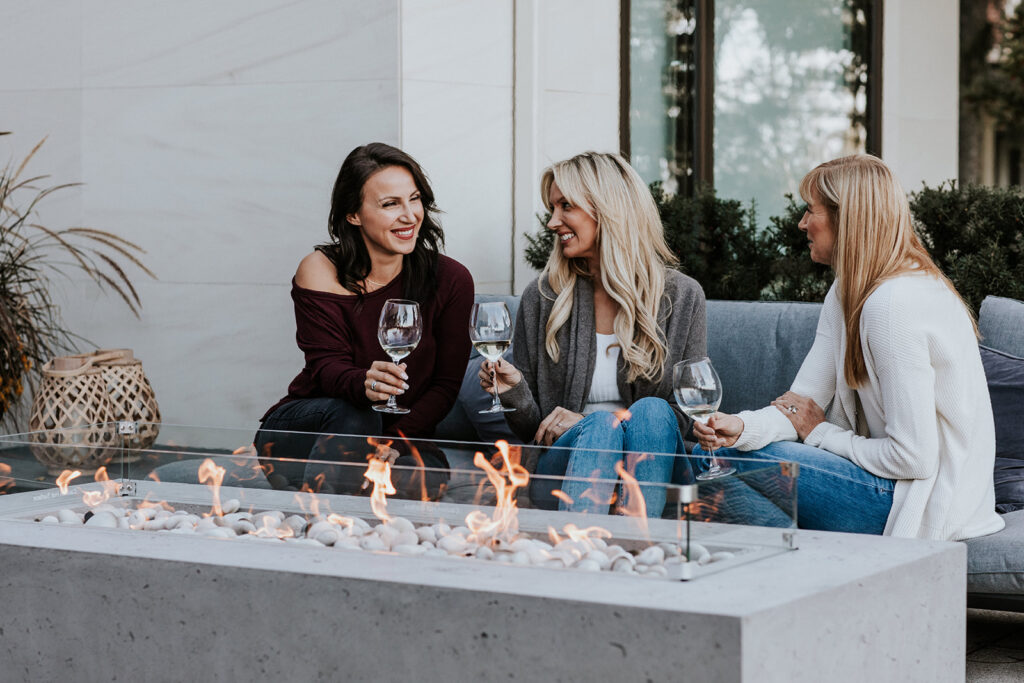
(833, 494)
(307, 429)
(647, 441)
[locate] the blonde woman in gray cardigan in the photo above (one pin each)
(596, 336)
(889, 415)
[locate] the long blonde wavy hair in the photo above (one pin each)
(874, 240)
(632, 251)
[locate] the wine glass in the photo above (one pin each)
(490, 329)
(698, 391)
(398, 331)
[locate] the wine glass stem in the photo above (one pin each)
(494, 385)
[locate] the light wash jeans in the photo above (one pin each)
(833, 494)
(591, 447)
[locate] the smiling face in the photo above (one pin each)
(575, 230)
(821, 234)
(391, 213)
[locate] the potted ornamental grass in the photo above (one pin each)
(32, 257)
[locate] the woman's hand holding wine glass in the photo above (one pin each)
(698, 391)
(398, 331)
(490, 329)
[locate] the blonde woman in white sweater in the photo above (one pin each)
(889, 415)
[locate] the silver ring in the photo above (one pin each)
(558, 424)
(793, 409)
(373, 385)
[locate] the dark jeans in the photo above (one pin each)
(299, 442)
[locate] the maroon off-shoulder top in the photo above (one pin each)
(339, 339)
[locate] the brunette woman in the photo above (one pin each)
(385, 244)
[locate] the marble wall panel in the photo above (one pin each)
(129, 43)
(216, 354)
(457, 41)
(226, 183)
(40, 45)
(579, 49)
(31, 116)
(577, 122)
(462, 135)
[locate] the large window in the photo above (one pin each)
(748, 95)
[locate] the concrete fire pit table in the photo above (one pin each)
(83, 603)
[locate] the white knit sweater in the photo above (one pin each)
(925, 418)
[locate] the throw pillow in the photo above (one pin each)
(1005, 376)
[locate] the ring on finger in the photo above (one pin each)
(373, 385)
(793, 409)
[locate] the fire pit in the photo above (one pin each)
(334, 586)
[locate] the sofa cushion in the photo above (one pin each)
(995, 563)
(757, 348)
(1005, 376)
(1001, 322)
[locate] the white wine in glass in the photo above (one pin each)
(698, 391)
(398, 332)
(490, 329)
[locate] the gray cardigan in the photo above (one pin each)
(547, 385)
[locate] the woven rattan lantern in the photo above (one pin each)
(131, 396)
(70, 418)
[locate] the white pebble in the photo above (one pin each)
(520, 558)
(452, 544)
(219, 532)
(624, 565)
(347, 543)
(371, 542)
(122, 523)
(136, 520)
(406, 538)
(461, 531)
(553, 564)
(405, 549)
(327, 537)
(296, 523)
(402, 524)
(103, 519)
(484, 553)
(657, 570)
(722, 555)
(66, 516)
(233, 517)
(304, 541)
(671, 549)
(230, 506)
(319, 528)
(50, 519)
(435, 552)
(603, 561)
(651, 555)
(441, 529)
(243, 526)
(148, 512)
(426, 534)
(588, 566)
(524, 544)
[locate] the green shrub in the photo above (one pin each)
(974, 233)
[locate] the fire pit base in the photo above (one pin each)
(89, 604)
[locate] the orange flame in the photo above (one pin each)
(634, 504)
(504, 524)
(65, 479)
(379, 473)
(213, 473)
(341, 520)
(94, 498)
(6, 481)
(562, 496)
(706, 510)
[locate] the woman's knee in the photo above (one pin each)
(651, 408)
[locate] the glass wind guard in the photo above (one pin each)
(498, 502)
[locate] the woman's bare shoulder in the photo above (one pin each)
(316, 272)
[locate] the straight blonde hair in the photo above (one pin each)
(632, 251)
(874, 240)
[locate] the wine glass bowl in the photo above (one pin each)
(398, 331)
(490, 330)
(698, 391)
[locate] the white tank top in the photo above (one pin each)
(604, 390)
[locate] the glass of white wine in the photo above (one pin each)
(698, 391)
(490, 329)
(398, 331)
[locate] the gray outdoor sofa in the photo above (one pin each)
(757, 348)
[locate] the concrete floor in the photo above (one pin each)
(995, 646)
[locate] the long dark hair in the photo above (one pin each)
(347, 251)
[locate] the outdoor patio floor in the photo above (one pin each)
(995, 646)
